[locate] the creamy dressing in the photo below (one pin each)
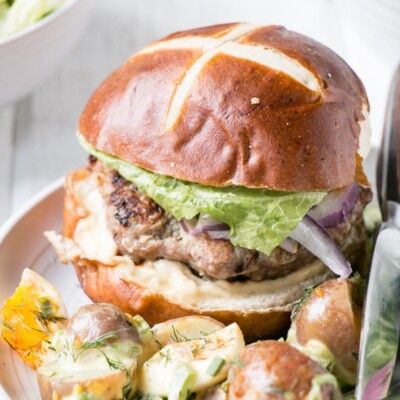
(91, 232)
(106, 369)
(195, 356)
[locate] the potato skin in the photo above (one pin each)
(332, 316)
(268, 369)
(107, 387)
(92, 321)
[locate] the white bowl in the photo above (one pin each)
(27, 58)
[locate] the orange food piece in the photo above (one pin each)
(24, 327)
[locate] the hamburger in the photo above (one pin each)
(224, 178)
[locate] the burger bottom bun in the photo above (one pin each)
(107, 284)
(164, 289)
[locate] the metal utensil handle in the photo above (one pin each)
(388, 167)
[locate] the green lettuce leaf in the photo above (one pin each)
(259, 219)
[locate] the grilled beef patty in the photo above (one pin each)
(144, 231)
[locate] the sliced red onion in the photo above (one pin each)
(336, 206)
(289, 245)
(219, 235)
(313, 237)
(207, 224)
(188, 225)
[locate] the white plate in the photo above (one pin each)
(22, 244)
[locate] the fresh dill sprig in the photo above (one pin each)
(204, 333)
(298, 304)
(7, 325)
(178, 336)
(101, 341)
(166, 356)
(128, 392)
(46, 312)
(113, 364)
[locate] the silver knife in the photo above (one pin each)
(379, 358)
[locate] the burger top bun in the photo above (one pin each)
(234, 104)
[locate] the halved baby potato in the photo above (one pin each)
(172, 331)
(195, 365)
(95, 356)
(105, 373)
(185, 328)
(31, 316)
(95, 386)
(327, 327)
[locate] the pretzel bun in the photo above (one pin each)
(234, 104)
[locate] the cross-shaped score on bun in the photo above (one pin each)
(234, 104)
(229, 44)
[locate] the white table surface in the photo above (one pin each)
(37, 135)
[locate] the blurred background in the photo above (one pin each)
(37, 133)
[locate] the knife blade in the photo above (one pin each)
(379, 369)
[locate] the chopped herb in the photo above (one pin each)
(178, 336)
(191, 395)
(39, 330)
(160, 346)
(298, 304)
(7, 325)
(142, 327)
(45, 307)
(135, 350)
(101, 341)
(216, 364)
(182, 382)
(128, 393)
(7, 341)
(204, 333)
(165, 355)
(114, 364)
(224, 386)
(355, 355)
(46, 312)
(84, 396)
